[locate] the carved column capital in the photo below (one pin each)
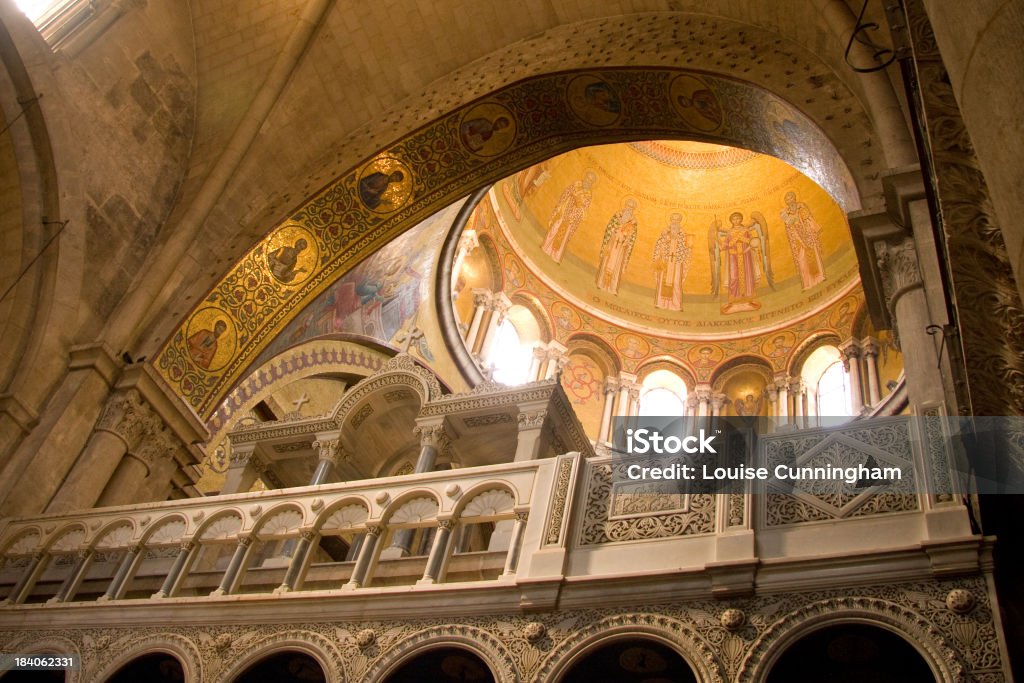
(329, 449)
(435, 435)
(869, 347)
(849, 351)
(482, 297)
(156, 446)
(771, 391)
(127, 416)
(898, 267)
(719, 401)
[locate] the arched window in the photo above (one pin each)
(834, 392)
(823, 373)
(512, 352)
(510, 357)
(663, 393)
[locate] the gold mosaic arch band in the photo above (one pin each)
(426, 170)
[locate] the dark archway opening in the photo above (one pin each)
(284, 667)
(444, 665)
(634, 660)
(158, 667)
(851, 653)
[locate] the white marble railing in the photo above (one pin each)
(521, 523)
(343, 536)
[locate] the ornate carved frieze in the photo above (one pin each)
(949, 622)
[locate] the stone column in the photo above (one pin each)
(468, 241)
(67, 590)
(178, 570)
(330, 454)
(481, 300)
(121, 425)
(126, 486)
(609, 391)
(434, 439)
(634, 400)
(772, 394)
(782, 401)
(299, 563)
(796, 390)
(850, 351)
(537, 362)
(236, 567)
(703, 394)
(366, 556)
(626, 382)
(556, 359)
(124, 572)
(718, 402)
(811, 402)
(499, 306)
(438, 552)
(516, 546)
(869, 349)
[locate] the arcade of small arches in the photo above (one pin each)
(836, 650)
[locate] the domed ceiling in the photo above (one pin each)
(680, 239)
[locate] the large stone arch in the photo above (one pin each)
(674, 633)
(478, 641)
(930, 642)
(435, 167)
(178, 646)
(311, 643)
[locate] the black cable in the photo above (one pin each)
(63, 224)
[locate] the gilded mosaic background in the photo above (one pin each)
(417, 175)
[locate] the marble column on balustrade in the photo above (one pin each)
(330, 455)
(850, 353)
(481, 302)
(609, 393)
(869, 351)
(497, 308)
(434, 441)
(125, 419)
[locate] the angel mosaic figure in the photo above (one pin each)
(616, 247)
(672, 255)
(746, 259)
(568, 213)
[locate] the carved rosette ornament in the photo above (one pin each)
(366, 637)
(534, 631)
(960, 600)
(733, 619)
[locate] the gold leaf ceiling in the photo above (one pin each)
(682, 239)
